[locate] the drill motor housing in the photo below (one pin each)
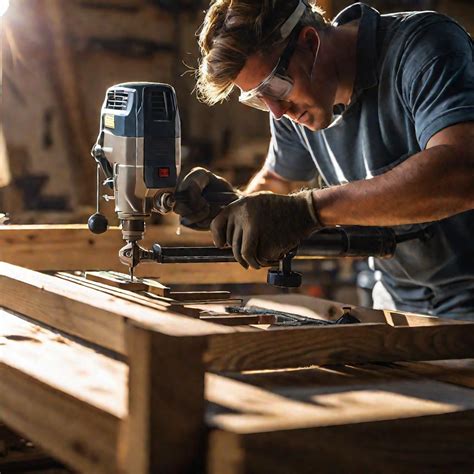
(139, 149)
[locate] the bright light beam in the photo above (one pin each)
(4, 4)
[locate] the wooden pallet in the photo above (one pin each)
(106, 383)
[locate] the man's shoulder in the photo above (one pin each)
(416, 21)
(414, 39)
(411, 27)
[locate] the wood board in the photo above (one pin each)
(99, 317)
(57, 393)
(343, 419)
(74, 247)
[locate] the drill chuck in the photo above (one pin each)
(133, 229)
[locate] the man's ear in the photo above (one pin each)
(309, 38)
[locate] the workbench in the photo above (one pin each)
(106, 379)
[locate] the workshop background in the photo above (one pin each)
(59, 57)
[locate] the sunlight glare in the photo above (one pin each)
(4, 4)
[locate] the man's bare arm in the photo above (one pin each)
(436, 183)
(267, 180)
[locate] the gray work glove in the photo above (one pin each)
(262, 227)
(195, 211)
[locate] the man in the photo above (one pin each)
(382, 107)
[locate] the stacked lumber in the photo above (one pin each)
(106, 383)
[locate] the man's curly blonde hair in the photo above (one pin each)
(233, 30)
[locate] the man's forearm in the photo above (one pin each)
(431, 185)
(267, 180)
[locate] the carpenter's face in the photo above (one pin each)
(311, 99)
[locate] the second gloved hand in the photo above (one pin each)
(262, 227)
(195, 210)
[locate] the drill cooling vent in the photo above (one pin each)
(159, 106)
(117, 100)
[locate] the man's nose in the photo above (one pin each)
(278, 108)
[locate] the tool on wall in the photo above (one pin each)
(139, 151)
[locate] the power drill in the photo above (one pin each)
(139, 152)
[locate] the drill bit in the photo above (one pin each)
(134, 259)
(129, 255)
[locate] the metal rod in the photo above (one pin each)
(326, 243)
(97, 189)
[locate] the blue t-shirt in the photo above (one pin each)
(415, 77)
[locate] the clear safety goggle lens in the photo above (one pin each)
(275, 87)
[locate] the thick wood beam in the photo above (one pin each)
(166, 412)
(64, 397)
(100, 318)
(435, 443)
(339, 422)
(344, 344)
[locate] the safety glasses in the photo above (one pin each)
(277, 85)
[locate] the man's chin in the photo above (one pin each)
(315, 125)
(318, 122)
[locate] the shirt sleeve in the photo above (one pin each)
(439, 92)
(287, 156)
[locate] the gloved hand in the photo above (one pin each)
(262, 227)
(195, 211)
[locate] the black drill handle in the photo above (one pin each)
(352, 241)
(349, 241)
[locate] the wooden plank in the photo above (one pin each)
(57, 393)
(200, 295)
(324, 405)
(355, 343)
(236, 320)
(116, 281)
(459, 372)
(156, 287)
(100, 318)
(74, 247)
(381, 424)
(150, 301)
(188, 307)
(87, 313)
(318, 376)
(434, 444)
(332, 310)
(122, 280)
(166, 415)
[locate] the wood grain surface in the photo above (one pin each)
(364, 418)
(65, 397)
(74, 247)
